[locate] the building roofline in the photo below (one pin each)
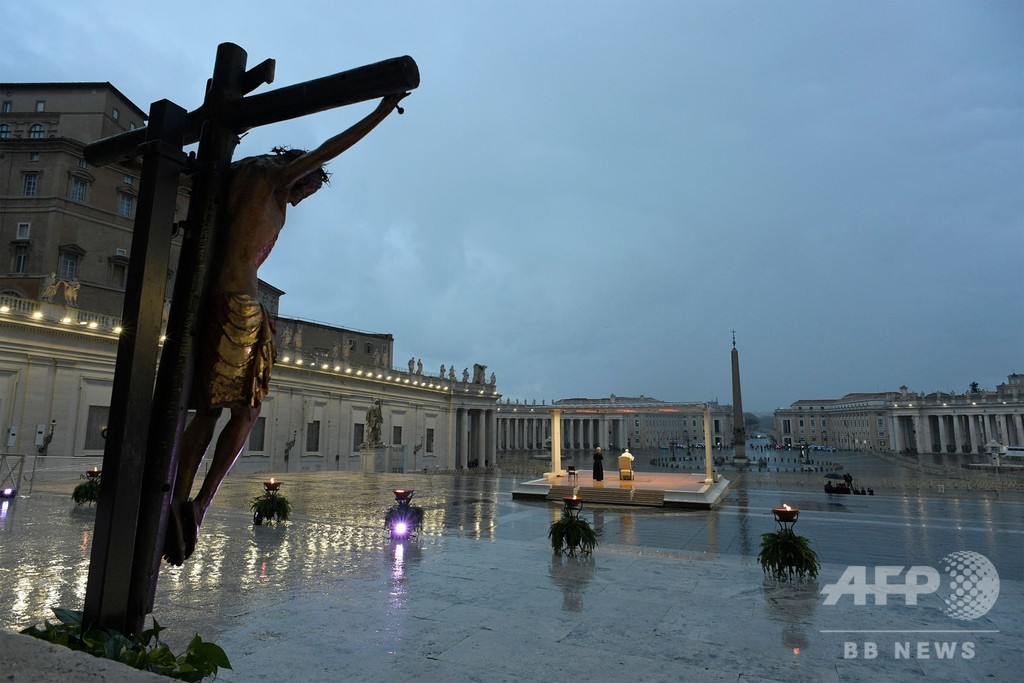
(77, 85)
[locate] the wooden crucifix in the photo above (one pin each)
(150, 459)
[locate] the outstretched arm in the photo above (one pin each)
(310, 161)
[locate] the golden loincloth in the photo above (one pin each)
(240, 353)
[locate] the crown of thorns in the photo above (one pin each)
(290, 153)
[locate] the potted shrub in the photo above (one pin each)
(270, 506)
(571, 533)
(785, 555)
(88, 491)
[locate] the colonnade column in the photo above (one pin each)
(556, 444)
(1018, 422)
(476, 421)
(958, 434)
(972, 424)
(490, 434)
(463, 439)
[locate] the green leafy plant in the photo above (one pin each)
(784, 555)
(146, 652)
(270, 506)
(87, 492)
(572, 533)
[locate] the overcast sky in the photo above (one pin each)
(588, 197)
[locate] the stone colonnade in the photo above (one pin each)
(476, 430)
(530, 430)
(956, 432)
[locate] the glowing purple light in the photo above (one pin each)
(401, 529)
(7, 492)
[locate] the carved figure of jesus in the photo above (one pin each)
(236, 351)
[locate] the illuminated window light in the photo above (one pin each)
(286, 359)
(324, 366)
(118, 330)
(359, 372)
(406, 381)
(163, 338)
(37, 315)
(337, 368)
(5, 309)
(348, 370)
(65, 320)
(298, 361)
(93, 325)
(380, 376)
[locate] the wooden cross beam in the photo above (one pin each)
(149, 406)
(390, 77)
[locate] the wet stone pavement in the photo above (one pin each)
(668, 595)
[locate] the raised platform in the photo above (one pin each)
(647, 489)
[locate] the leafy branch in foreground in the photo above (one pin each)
(146, 652)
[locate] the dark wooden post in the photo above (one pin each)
(117, 510)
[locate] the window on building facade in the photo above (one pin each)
(33, 156)
(82, 163)
(78, 190)
(6, 107)
(40, 105)
(125, 204)
(69, 265)
(95, 426)
(369, 347)
(128, 180)
(430, 440)
(396, 436)
(5, 131)
(23, 231)
(787, 427)
(30, 185)
(313, 436)
(118, 276)
(35, 131)
(257, 435)
(115, 114)
(20, 259)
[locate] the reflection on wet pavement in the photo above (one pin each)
(481, 557)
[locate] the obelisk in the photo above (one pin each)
(739, 431)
